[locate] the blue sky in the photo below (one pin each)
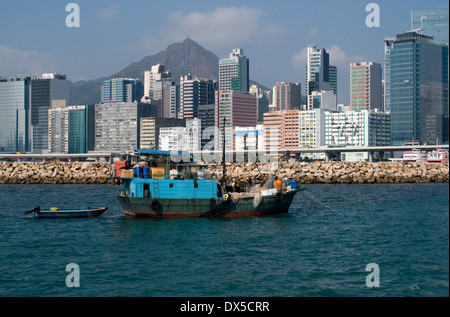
(274, 34)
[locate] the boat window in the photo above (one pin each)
(195, 185)
(171, 185)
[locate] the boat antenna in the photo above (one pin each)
(223, 150)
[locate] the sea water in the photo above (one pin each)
(322, 248)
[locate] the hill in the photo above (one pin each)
(179, 58)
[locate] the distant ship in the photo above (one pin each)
(156, 186)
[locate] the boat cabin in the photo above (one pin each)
(163, 174)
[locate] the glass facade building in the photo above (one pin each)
(416, 88)
(433, 22)
(15, 129)
(81, 129)
(122, 90)
(234, 72)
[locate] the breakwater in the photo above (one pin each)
(57, 172)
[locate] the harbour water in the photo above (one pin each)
(320, 249)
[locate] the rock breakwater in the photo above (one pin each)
(57, 172)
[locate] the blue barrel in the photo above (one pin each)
(145, 172)
(294, 184)
(138, 171)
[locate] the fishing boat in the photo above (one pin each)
(168, 184)
(54, 212)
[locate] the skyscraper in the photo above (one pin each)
(416, 88)
(287, 96)
(195, 92)
(234, 72)
(58, 130)
(365, 86)
(431, 22)
(317, 70)
(15, 129)
(238, 109)
(157, 72)
(122, 90)
(81, 129)
(49, 91)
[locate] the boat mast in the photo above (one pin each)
(223, 150)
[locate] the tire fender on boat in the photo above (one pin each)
(279, 196)
(155, 205)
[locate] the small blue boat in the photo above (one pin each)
(54, 212)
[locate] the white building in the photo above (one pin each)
(234, 72)
(363, 128)
(249, 138)
(171, 138)
(192, 136)
(311, 123)
(58, 130)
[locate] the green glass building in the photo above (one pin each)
(81, 129)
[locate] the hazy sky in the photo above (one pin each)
(274, 34)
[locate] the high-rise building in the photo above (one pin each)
(49, 91)
(287, 96)
(416, 88)
(166, 95)
(250, 138)
(58, 130)
(207, 117)
(171, 138)
(150, 127)
(117, 125)
(81, 129)
(332, 75)
(15, 126)
(234, 72)
(281, 129)
(431, 22)
(263, 99)
(365, 86)
(324, 99)
(156, 73)
(317, 70)
(195, 92)
(122, 90)
(238, 109)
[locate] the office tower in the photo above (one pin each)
(15, 129)
(332, 75)
(317, 70)
(287, 96)
(416, 88)
(150, 127)
(166, 95)
(117, 125)
(58, 130)
(281, 129)
(263, 98)
(238, 109)
(195, 92)
(431, 22)
(122, 90)
(49, 91)
(234, 72)
(365, 86)
(324, 99)
(192, 139)
(81, 130)
(207, 117)
(156, 73)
